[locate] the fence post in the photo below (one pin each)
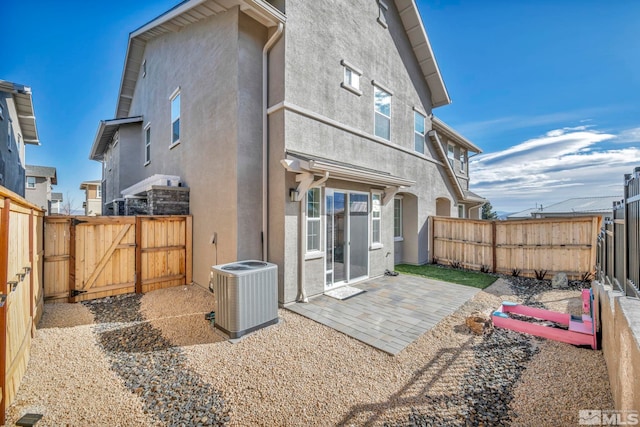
(72, 259)
(494, 256)
(31, 293)
(4, 276)
(138, 256)
(188, 249)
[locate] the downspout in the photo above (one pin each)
(265, 137)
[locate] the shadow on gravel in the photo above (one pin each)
(152, 367)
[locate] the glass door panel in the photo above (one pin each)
(358, 235)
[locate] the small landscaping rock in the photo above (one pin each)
(479, 323)
(560, 281)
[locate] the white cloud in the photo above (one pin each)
(629, 135)
(563, 163)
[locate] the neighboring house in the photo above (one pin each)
(56, 204)
(92, 204)
(17, 128)
(39, 182)
(306, 142)
(578, 206)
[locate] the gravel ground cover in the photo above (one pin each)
(155, 360)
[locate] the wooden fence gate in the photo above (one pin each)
(95, 257)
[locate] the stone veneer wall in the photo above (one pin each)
(136, 206)
(168, 200)
(619, 320)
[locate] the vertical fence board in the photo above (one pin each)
(555, 245)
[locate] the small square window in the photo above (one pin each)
(352, 76)
(31, 182)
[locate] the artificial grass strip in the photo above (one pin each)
(461, 277)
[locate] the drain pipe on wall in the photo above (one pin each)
(265, 137)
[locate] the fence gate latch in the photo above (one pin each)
(76, 221)
(76, 292)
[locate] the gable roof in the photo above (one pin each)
(42, 172)
(105, 133)
(24, 108)
(444, 129)
(86, 184)
(419, 40)
(173, 20)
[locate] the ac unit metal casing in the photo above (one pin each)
(246, 296)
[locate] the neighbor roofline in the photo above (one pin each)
(26, 114)
(447, 130)
(99, 144)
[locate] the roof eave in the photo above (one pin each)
(419, 40)
(453, 134)
(257, 9)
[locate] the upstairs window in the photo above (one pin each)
(313, 220)
(9, 133)
(382, 109)
(463, 160)
(175, 118)
(450, 154)
(147, 144)
(99, 192)
(31, 182)
(418, 132)
(352, 76)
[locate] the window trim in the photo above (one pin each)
(376, 86)
(347, 66)
(462, 157)
(147, 144)
(451, 154)
(401, 236)
(308, 219)
(34, 183)
(98, 191)
(176, 93)
(376, 244)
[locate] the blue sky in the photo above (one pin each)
(548, 89)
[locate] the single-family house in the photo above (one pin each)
(17, 128)
(39, 184)
(601, 206)
(56, 204)
(303, 132)
(92, 203)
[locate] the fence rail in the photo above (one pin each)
(95, 257)
(619, 241)
(526, 247)
(21, 296)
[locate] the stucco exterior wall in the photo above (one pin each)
(40, 195)
(310, 79)
(619, 319)
(217, 65)
(12, 161)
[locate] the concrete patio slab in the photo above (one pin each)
(392, 313)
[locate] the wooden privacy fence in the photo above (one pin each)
(21, 296)
(527, 246)
(619, 241)
(96, 257)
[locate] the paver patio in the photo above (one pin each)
(392, 313)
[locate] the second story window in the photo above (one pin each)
(98, 192)
(351, 80)
(10, 132)
(382, 100)
(175, 118)
(147, 144)
(31, 182)
(463, 160)
(418, 135)
(450, 154)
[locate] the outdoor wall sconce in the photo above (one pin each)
(293, 194)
